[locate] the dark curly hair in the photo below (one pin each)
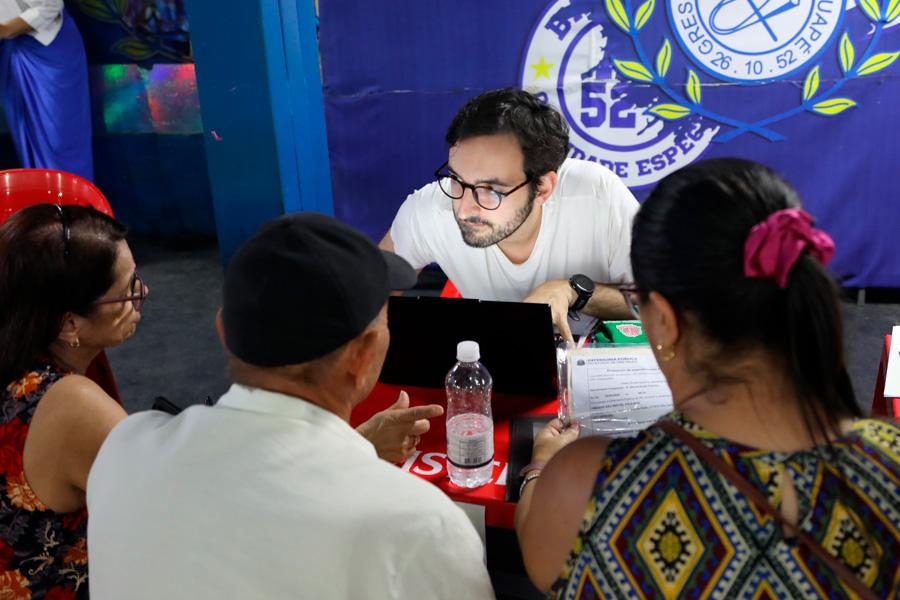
(540, 130)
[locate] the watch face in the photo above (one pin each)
(582, 283)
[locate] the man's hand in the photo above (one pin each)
(551, 440)
(560, 296)
(396, 430)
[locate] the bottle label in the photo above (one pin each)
(470, 441)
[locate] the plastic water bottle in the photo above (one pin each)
(470, 424)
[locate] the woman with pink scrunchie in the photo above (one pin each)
(766, 480)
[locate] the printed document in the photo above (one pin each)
(616, 390)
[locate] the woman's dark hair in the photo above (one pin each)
(688, 245)
(540, 130)
(43, 276)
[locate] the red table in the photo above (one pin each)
(430, 460)
(881, 406)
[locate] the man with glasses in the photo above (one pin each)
(510, 218)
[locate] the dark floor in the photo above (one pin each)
(176, 354)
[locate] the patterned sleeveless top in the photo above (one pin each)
(662, 524)
(43, 554)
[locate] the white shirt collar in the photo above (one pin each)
(258, 400)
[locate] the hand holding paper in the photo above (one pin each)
(615, 390)
(551, 439)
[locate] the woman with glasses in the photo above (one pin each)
(68, 289)
(766, 481)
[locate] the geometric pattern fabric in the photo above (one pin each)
(663, 524)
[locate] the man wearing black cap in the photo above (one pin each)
(270, 493)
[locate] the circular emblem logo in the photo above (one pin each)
(566, 64)
(754, 40)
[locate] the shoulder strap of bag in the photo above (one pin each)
(756, 496)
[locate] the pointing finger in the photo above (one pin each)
(419, 412)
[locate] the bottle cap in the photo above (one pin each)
(467, 351)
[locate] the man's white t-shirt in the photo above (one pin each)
(585, 228)
(268, 496)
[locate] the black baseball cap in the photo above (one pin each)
(303, 286)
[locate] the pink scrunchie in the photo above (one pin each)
(773, 246)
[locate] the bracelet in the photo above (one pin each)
(535, 465)
(528, 479)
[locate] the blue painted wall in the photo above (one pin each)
(261, 101)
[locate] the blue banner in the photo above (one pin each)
(808, 87)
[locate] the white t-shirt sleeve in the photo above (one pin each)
(414, 228)
(446, 562)
(622, 208)
(41, 13)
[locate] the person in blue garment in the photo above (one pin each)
(44, 82)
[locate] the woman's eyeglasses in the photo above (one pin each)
(632, 300)
(137, 297)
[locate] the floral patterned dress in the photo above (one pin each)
(43, 554)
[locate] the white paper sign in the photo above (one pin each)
(892, 379)
(617, 390)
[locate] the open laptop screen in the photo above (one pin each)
(516, 341)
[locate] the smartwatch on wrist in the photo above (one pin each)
(584, 288)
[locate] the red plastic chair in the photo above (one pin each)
(20, 188)
(450, 291)
(25, 187)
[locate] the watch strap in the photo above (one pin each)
(583, 296)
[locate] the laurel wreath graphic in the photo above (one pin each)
(137, 45)
(823, 103)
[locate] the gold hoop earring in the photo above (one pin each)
(668, 356)
(75, 344)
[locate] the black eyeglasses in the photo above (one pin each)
(137, 297)
(485, 196)
(65, 230)
(632, 299)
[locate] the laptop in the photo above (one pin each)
(516, 339)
